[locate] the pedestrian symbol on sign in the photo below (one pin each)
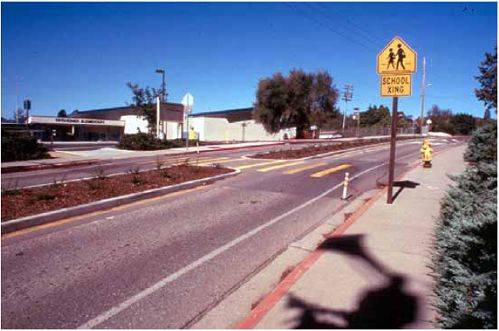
(401, 56)
(396, 58)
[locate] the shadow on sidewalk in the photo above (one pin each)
(402, 185)
(386, 307)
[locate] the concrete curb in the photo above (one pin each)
(32, 167)
(33, 220)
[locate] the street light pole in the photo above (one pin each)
(163, 88)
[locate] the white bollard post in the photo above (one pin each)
(197, 146)
(345, 186)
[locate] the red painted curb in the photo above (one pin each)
(257, 314)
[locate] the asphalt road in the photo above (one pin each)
(163, 262)
(123, 164)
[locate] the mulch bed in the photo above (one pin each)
(284, 154)
(25, 202)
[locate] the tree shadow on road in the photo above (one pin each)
(385, 307)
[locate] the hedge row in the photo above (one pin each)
(21, 147)
(465, 257)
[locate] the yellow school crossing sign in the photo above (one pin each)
(396, 63)
(397, 58)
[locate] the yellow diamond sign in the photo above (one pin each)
(396, 58)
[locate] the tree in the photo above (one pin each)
(299, 100)
(374, 116)
(144, 103)
(62, 113)
(465, 258)
(463, 123)
(440, 119)
(488, 81)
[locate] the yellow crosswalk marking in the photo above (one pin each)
(258, 164)
(279, 166)
(294, 171)
(182, 160)
(330, 171)
(219, 161)
(193, 160)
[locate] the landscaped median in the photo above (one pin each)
(26, 207)
(322, 148)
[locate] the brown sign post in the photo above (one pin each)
(395, 63)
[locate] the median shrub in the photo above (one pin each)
(20, 147)
(148, 142)
(465, 257)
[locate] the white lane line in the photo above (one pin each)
(150, 290)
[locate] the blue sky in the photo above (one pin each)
(80, 55)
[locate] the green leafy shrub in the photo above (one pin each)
(148, 142)
(465, 257)
(20, 147)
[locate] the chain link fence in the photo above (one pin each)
(364, 132)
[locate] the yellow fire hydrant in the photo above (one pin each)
(426, 150)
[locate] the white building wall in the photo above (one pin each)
(134, 123)
(173, 130)
(198, 125)
(219, 129)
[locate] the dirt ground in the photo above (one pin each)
(25, 202)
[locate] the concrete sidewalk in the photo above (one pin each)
(372, 272)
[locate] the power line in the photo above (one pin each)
(360, 32)
(310, 17)
(370, 34)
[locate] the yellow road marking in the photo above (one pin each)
(259, 164)
(182, 160)
(207, 161)
(294, 171)
(330, 170)
(280, 166)
(96, 213)
(221, 161)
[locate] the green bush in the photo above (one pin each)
(147, 142)
(20, 147)
(465, 258)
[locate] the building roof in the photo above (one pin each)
(169, 112)
(232, 115)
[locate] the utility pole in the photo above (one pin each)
(17, 100)
(158, 112)
(347, 96)
(357, 117)
(423, 86)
